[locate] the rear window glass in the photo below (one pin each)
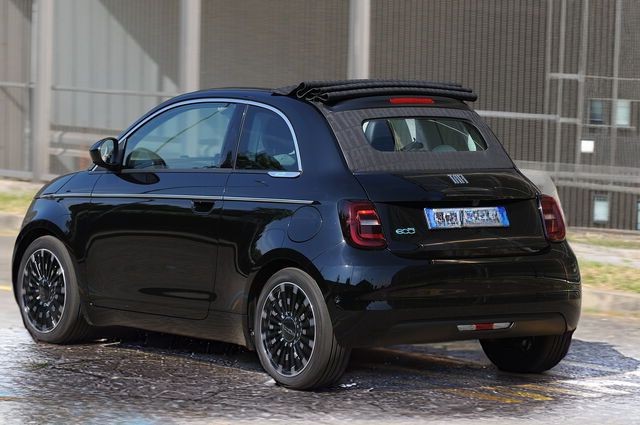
(424, 134)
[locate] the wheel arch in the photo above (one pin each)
(273, 262)
(27, 235)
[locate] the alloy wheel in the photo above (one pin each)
(43, 290)
(287, 328)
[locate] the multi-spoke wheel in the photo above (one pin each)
(43, 290)
(47, 291)
(293, 332)
(288, 329)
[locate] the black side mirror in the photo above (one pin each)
(104, 153)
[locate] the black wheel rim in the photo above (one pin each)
(287, 329)
(43, 290)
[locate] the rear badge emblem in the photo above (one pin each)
(407, 231)
(458, 178)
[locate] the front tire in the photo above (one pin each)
(294, 335)
(533, 354)
(48, 295)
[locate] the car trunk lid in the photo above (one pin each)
(401, 200)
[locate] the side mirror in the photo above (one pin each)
(104, 153)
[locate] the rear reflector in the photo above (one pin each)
(553, 219)
(361, 224)
(485, 326)
(412, 101)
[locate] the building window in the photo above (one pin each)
(587, 146)
(623, 113)
(600, 209)
(596, 111)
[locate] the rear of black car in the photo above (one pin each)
(452, 242)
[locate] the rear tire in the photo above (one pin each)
(534, 354)
(294, 335)
(48, 294)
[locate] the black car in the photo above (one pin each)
(302, 222)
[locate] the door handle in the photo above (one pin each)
(202, 207)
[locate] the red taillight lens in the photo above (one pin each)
(553, 219)
(361, 224)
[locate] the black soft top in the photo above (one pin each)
(332, 91)
(347, 104)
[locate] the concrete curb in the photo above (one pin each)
(10, 221)
(598, 300)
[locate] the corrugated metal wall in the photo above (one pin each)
(15, 47)
(115, 59)
(273, 43)
(108, 45)
(578, 205)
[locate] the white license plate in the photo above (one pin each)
(456, 218)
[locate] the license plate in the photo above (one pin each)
(456, 218)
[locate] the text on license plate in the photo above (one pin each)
(455, 218)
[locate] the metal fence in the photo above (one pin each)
(558, 80)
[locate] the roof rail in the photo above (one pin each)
(338, 90)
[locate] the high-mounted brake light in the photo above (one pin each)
(553, 219)
(361, 224)
(411, 101)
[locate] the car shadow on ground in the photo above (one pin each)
(424, 366)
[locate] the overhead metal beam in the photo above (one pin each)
(359, 39)
(41, 126)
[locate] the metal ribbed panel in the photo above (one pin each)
(15, 39)
(274, 43)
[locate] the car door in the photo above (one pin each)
(263, 192)
(153, 243)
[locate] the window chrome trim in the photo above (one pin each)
(217, 100)
(170, 196)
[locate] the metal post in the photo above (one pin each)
(547, 80)
(359, 38)
(190, 11)
(582, 71)
(42, 89)
(615, 83)
(559, 99)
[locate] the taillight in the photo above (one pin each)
(361, 224)
(553, 219)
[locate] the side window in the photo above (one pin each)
(186, 137)
(266, 143)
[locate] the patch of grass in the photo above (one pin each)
(37, 365)
(15, 202)
(609, 241)
(609, 276)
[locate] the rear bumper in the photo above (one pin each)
(380, 299)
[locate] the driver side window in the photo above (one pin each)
(186, 137)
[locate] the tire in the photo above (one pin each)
(289, 311)
(534, 354)
(48, 295)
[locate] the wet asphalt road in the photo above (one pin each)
(148, 379)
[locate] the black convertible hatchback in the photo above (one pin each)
(302, 222)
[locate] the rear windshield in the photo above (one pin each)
(424, 134)
(415, 139)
